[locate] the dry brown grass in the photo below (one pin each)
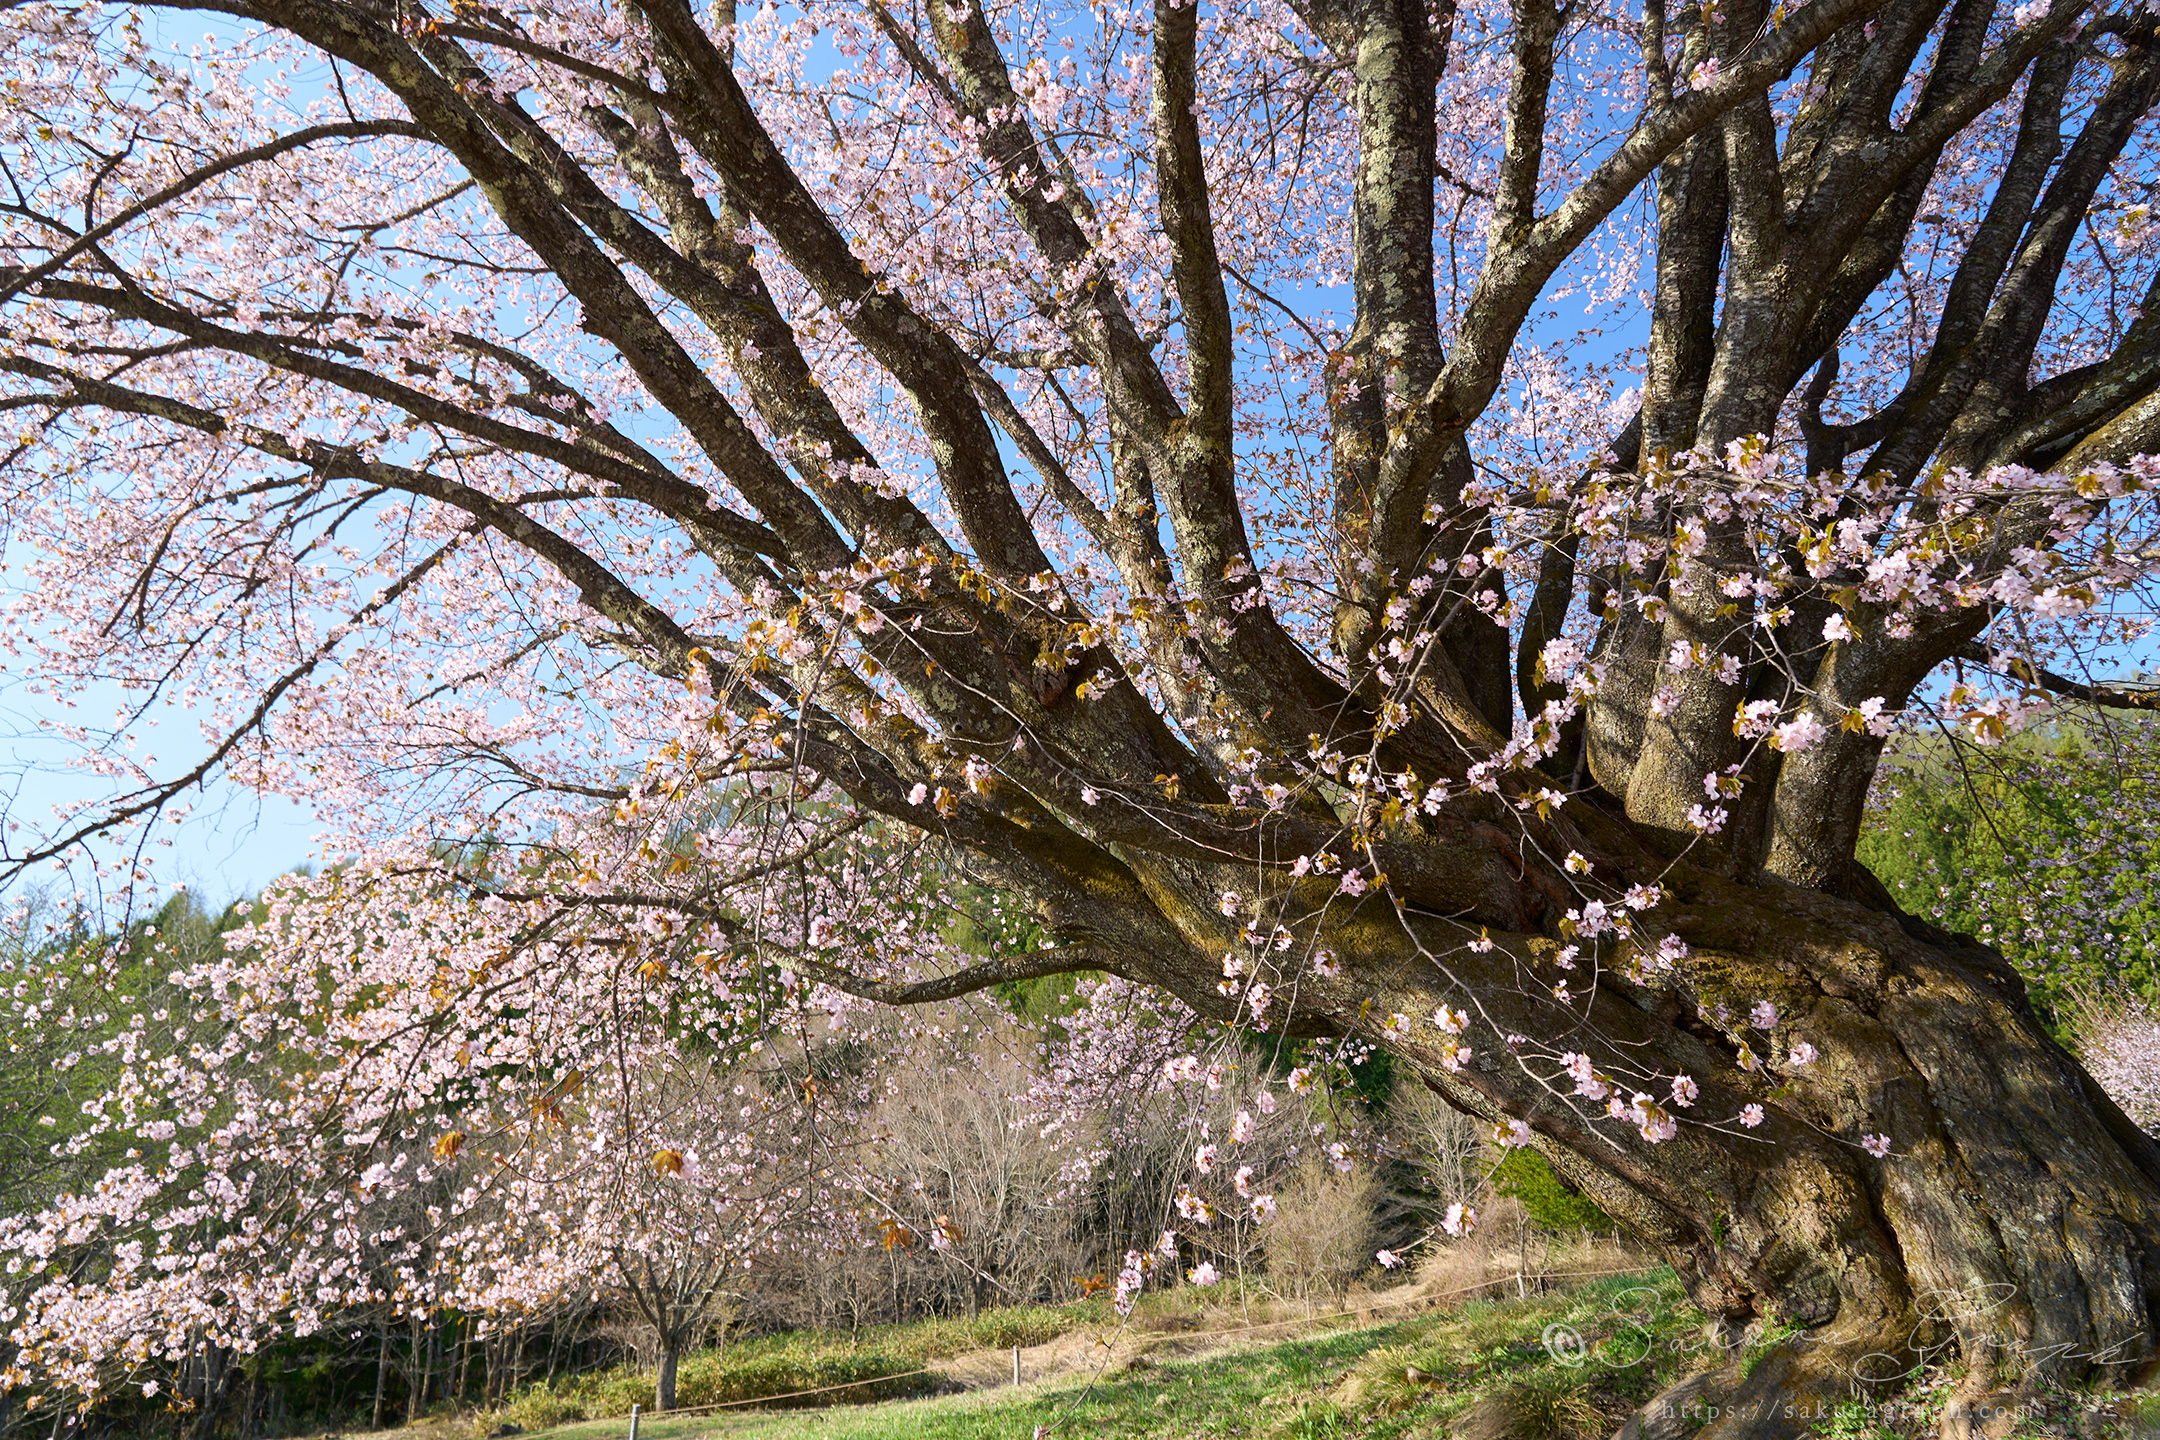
(1549, 1408)
(1322, 1236)
(1512, 1255)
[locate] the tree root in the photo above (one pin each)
(1788, 1392)
(1981, 1408)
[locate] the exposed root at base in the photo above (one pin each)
(1794, 1389)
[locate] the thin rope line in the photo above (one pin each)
(1182, 1335)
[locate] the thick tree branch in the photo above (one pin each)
(1027, 965)
(2110, 697)
(687, 504)
(717, 118)
(1181, 191)
(1514, 275)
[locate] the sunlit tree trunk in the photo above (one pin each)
(2015, 1220)
(664, 1385)
(417, 1374)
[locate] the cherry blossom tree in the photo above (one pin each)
(662, 1202)
(383, 1098)
(622, 462)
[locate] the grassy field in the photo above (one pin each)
(799, 1360)
(1411, 1377)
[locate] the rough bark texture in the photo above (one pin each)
(664, 1384)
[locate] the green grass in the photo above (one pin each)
(797, 1360)
(1392, 1381)
(923, 1340)
(1219, 1396)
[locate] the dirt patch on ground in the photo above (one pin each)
(1102, 1351)
(1086, 1353)
(1076, 1352)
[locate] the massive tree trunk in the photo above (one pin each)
(2014, 1222)
(2012, 1226)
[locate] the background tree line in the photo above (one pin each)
(1017, 1172)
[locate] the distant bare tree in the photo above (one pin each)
(1322, 1237)
(1451, 1150)
(976, 1178)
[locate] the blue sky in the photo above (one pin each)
(232, 844)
